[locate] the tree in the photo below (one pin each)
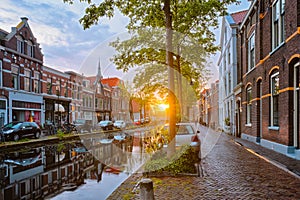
(193, 18)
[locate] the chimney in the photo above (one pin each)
(24, 19)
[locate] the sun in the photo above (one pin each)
(163, 106)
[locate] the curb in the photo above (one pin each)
(269, 160)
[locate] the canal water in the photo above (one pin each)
(85, 168)
(93, 189)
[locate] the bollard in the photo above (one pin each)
(146, 187)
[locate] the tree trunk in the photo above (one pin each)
(179, 83)
(169, 58)
(131, 109)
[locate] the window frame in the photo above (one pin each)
(20, 44)
(278, 21)
(36, 82)
(251, 51)
(272, 112)
(1, 74)
(249, 105)
(27, 86)
(49, 86)
(15, 77)
(30, 49)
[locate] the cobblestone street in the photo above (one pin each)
(230, 171)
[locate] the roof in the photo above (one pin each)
(239, 16)
(92, 79)
(112, 82)
(3, 33)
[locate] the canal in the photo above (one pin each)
(89, 167)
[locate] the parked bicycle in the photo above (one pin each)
(69, 128)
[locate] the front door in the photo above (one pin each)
(296, 106)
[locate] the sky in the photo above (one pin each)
(65, 45)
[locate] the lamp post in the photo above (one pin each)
(58, 94)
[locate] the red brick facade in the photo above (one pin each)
(269, 61)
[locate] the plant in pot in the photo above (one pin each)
(227, 125)
(227, 121)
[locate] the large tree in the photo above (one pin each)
(192, 18)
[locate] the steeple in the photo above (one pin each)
(99, 76)
(99, 71)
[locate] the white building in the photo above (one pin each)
(227, 64)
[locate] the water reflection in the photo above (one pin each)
(50, 169)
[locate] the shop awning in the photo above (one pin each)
(59, 108)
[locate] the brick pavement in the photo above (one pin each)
(230, 172)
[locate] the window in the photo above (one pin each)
(1, 84)
(228, 55)
(249, 98)
(251, 52)
(274, 99)
(58, 88)
(49, 85)
(66, 89)
(27, 76)
(278, 23)
(96, 103)
(229, 82)
(74, 90)
(78, 92)
(15, 77)
(37, 82)
(29, 49)
(20, 44)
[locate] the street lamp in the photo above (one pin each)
(58, 94)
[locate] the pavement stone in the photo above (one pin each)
(230, 171)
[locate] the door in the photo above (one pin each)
(296, 106)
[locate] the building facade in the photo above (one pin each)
(269, 66)
(31, 91)
(21, 62)
(228, 70)
(119, 99)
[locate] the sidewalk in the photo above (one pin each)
(230, 172)
(286, 162)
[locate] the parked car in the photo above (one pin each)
(147, 120)
(106, 125)
(120, 124)
(185, 134)
(17, 130)
(83, 125)
(137, 122)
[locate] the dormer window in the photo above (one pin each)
(20, 44)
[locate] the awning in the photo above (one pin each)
(59, 108)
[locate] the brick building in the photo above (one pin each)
(30, 91)
(56, 95)
(119, 99)
(269, 67)
(21, 62)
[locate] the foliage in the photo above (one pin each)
(192, 19)
(60, 134)
(60, 147)
(192, 23)
(153, 140)
(183, 161)
(227, 121)
(23, 140)
(128, 196)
